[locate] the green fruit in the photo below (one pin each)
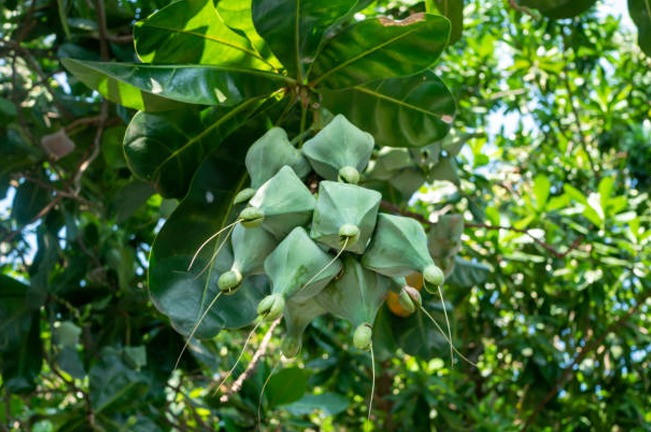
(340, 210)
(270, 153)
(251, 217)
(244, 196)
(339, 145)
(298, 316)
(284, 202)
(363, 336)
(399, 248)
(348, 174)
(406, 302)
(357, 295)
(298, 268)
(271, 307)
(251, 246)
(229, 281)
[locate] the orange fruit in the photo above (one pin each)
(414, 280)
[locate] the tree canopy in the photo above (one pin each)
(514, 134)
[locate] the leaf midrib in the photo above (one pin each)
(397, 101)
(418, 25)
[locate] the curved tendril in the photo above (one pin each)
(370, 402)
(447, 323)
(438, 327)
(196, 326)
(230, 372)
(327, 265)
(212, 258)
(264, 386)
(194, 257)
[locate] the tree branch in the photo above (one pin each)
(568, 372)
(260, 352)
(394, 209)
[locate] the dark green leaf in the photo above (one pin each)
(206, 209)
(16, 319)
(558, 9)
(379, 48)
(129, 199)
(193, 32)
(286, 386)
(28, 202)
(294, 28)
(452, 10)
(112, 384)
(161, 88)
(167, 148)
(399, 112)
(640, 11)
(21, 366)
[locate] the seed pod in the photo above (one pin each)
(399, 248)
(345, 211)
(251, 246)
(244, 196)
(298, 268)
(271, 307)
(281, 204)
(298, 316)
(363, 336)
(270, 153)
(404, 295)
(357, 295)
(340, 151)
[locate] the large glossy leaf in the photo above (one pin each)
(161, 88)
(15, 313)
(28, 202)
(193, 32)
(237, 14)
(286, 386)
(559, 8)
(640, 11)
(22, 365)
(399, 112)
(294, 28)
(167, 148)
(379, 48)
(180, 294)
(452, 10)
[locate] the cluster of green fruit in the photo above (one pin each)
(327, 252)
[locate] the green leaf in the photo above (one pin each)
(161, 88)
(452, 10)
(330, 403)
(112, 384)
(294, 28)
(399, 112)
(467, 274)
(379, 48)
(541, 187)
(129, 199)
(21, 366)
(180, 294)
(15, 312)
(193, 32)
(640, 11)
(167, 148)
(446, 169)
(558, 9)
(238, 15)
(286, 386)
(29, 200)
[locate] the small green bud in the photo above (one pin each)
(362, 336)
(434, 276)
(271, 307)
(414, 294)
(244, 196)
(348, 231)
(406, 302)
(348, 174)
(229, 281)
(251, 217)
(290, 347)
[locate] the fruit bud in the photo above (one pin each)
(229, 281)
(251, 217)
(348, 231)
(434, 276)
(362, 336)
(244, 196)
(271, 307)
(348, 174)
